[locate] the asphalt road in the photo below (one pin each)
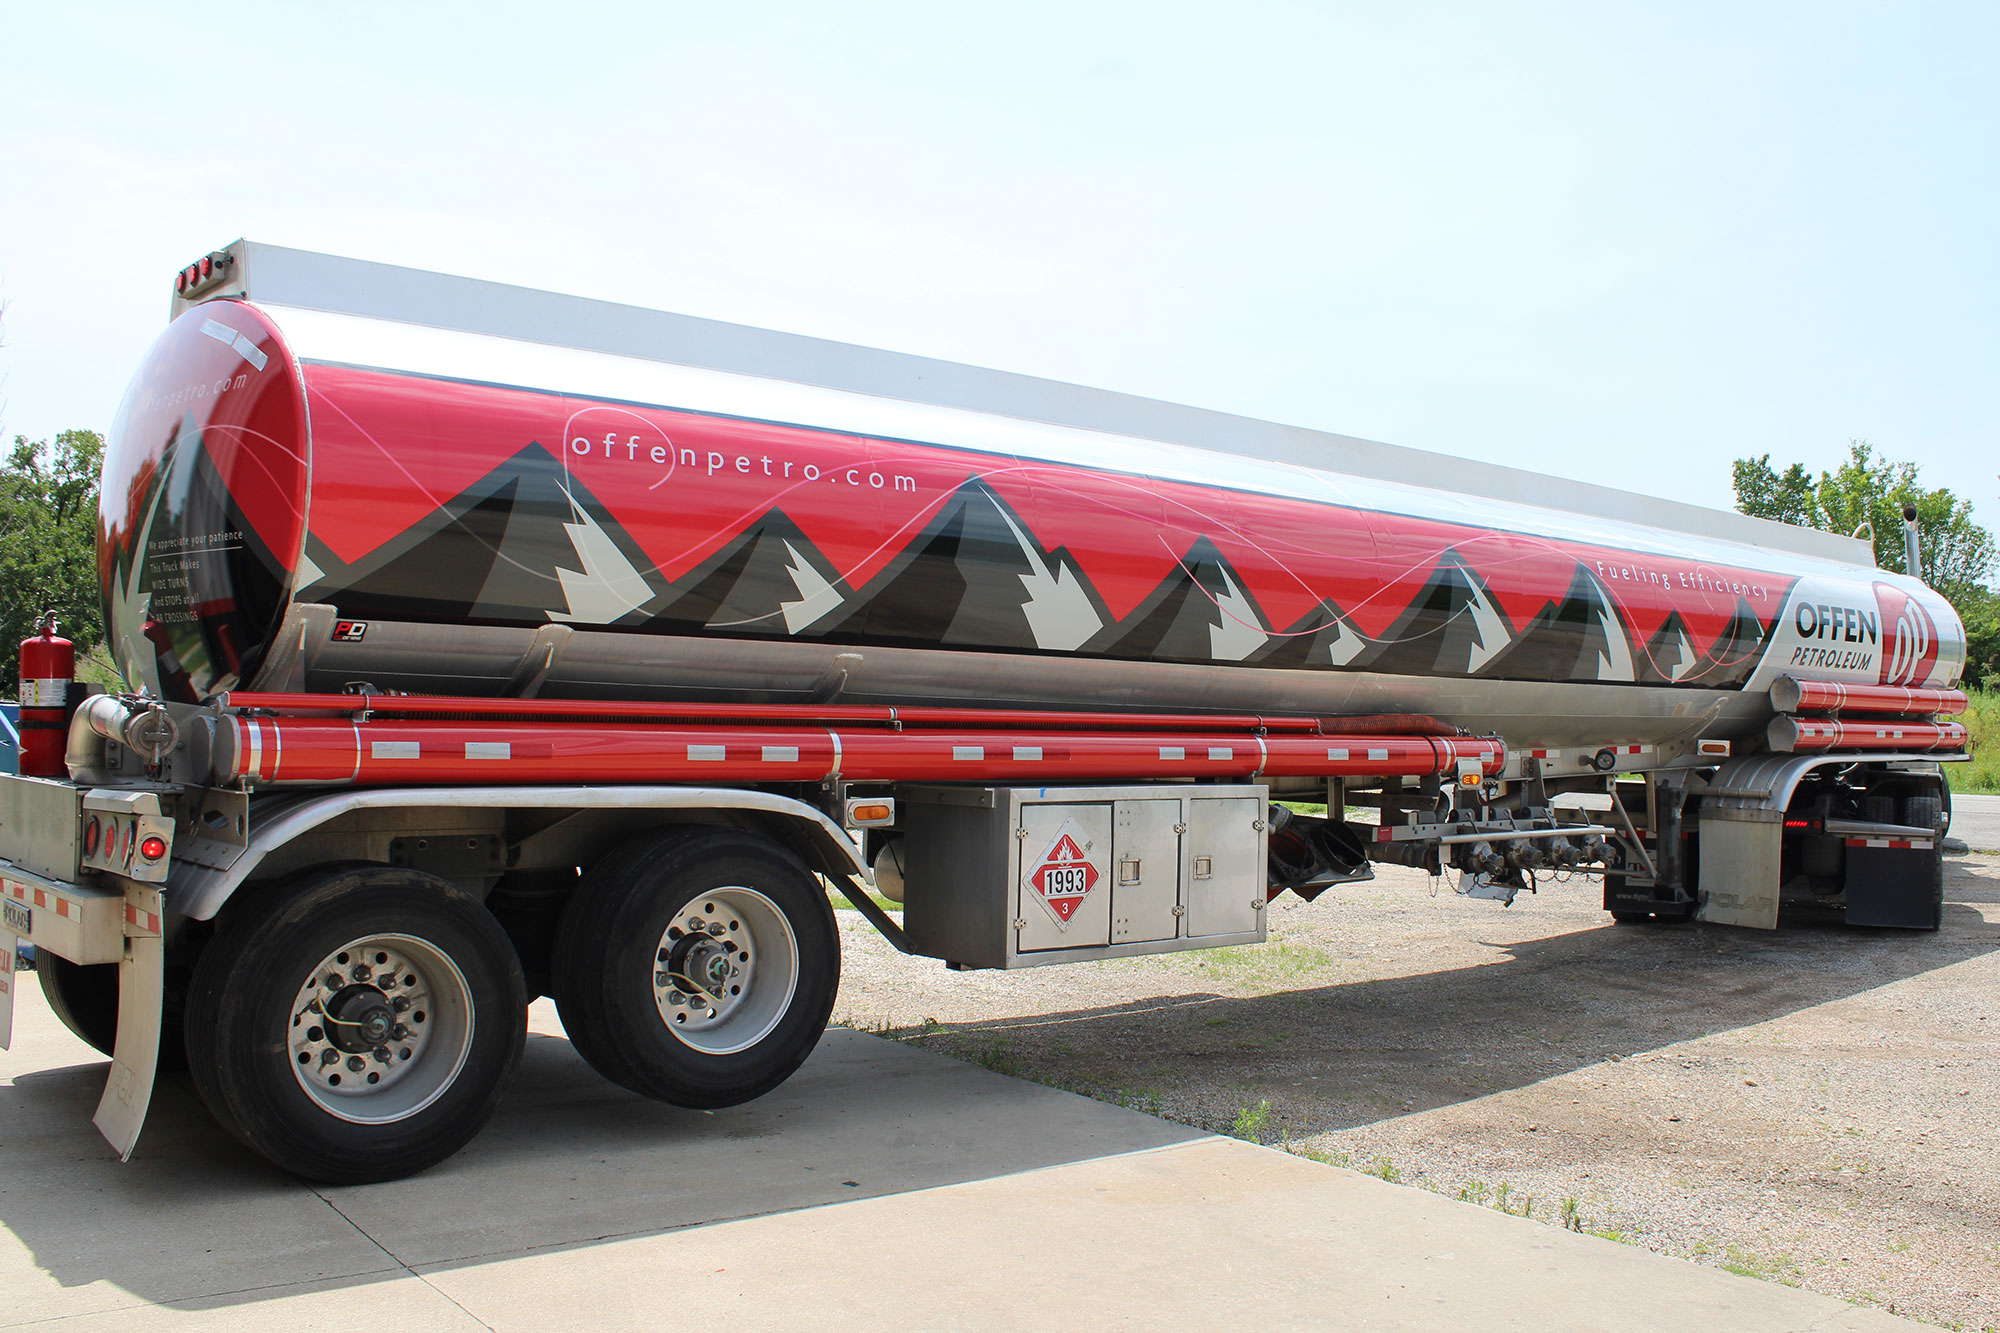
(1976, 821)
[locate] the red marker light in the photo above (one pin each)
(181, 281)
(91, 833)
(207, 266)
(153, 848)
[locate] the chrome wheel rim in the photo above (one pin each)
(380, 1028)
(725, 970)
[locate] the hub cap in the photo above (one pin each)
(380, 1028)
(725, 970)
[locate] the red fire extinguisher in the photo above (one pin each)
(48, 677)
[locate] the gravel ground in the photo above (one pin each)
(1815, 1106)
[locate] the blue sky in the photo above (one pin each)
(1624, 243)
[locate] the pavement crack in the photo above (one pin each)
(397, 1260)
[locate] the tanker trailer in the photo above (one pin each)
(483, 643)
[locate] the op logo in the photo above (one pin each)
(1910, 647)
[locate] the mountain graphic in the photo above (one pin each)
(1452, 627)
(975, 577)
(1321, 638)
(769, 579)
(527, 542)
(1579, 638)
(1734, 654)
(1199, 613)
(1670, 654)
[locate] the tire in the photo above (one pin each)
(84, 997)
(630, 974)
(314, 1097)
(1929, 811)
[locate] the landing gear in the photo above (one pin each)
(357, 1024)
(697, 967)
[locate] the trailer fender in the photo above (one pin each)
(1742, 830)
(199, 891)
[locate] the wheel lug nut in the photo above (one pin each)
(398, 1032)
(661, 978)
(355, 1063)
(329, 1056)
(382, 1055)
(400, 1003)
(361, 972)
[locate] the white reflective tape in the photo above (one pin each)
(968, 752)
(235, 341)
(395, 750)
(256, 748)
(1221, 752)
(710, 754)
(489, 750)
(248, 351)
(781, 754)
(1338, 755)
(1172, 752)
(1378, 754)
(1026, 752)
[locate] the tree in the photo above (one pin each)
(1958, 555)
(48, 544)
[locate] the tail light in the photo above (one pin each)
(207, 272)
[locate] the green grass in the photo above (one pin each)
(1252, 1124)
(1274, 966)
(1764, 1267)
(1982, 774)
(841, 904)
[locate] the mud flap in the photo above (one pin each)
(142, 976)
(1740, 867)
(9, 944)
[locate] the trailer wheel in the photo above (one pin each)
(1930, 811)
(698, 968)
(84, 997)
(357, 1024)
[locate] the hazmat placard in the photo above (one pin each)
(1064, 874)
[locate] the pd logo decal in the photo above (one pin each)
(1909, 638)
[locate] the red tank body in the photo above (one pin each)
(299, 500)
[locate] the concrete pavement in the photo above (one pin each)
(883, 1187)
(1975, 820)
